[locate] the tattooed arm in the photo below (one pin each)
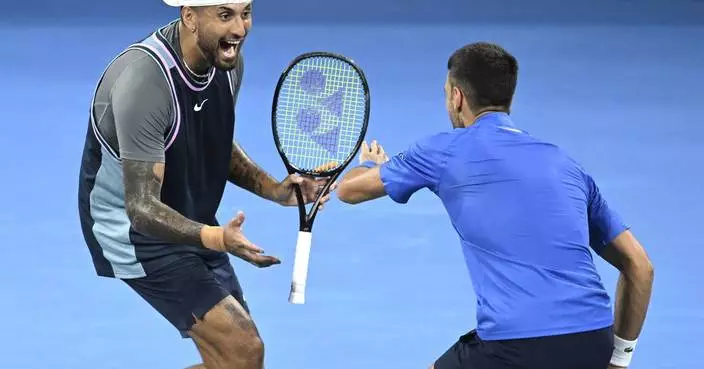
(248, 175)
(147, 213)
(244, 172)
(140, 100)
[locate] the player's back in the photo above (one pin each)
(521, 207)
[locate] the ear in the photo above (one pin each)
(189, 18)
(456, 98)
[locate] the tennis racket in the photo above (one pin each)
(319, 119)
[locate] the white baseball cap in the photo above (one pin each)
(204, 2)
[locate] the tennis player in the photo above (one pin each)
(527, 216)
(158, 154)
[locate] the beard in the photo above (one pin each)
(456, 120)
(217, 52)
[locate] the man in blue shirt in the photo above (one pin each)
(527, 216)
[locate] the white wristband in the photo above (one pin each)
(623, 351)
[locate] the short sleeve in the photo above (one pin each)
(142, 109)
(419, 166)
(605, 224)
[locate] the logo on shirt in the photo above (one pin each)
(510, 129)
(199, 107)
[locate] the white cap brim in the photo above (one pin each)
(204, 2)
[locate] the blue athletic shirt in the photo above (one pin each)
(526, 215)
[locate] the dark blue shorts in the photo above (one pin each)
(585, 350)
(186, 287)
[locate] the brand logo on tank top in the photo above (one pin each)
(199, 107)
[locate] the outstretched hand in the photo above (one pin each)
(237, 244)
(374, 152)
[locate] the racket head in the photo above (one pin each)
(320, 113)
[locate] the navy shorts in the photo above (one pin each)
(187, 287)
(585, 350)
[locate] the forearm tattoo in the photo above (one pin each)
(247, 175)
(148, 214)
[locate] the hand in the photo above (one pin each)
(285, 193)
(375, 153)
(237, 244)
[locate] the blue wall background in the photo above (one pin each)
(379, 11)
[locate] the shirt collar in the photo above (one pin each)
(495, 118)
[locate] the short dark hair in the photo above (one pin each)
(486, 73)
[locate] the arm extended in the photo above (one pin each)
(420, 166)
(361, 184)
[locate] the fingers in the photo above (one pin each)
(292, 179)
(250, 247)
(363, 152)
(325, 167)
(239, 240)
(237, 244)
(261, 261)
(374, 152)
(380, 150)
(375, 147)
(313, 187)
(237, 221)
(315, 184)
(323, 200)
(246, 249)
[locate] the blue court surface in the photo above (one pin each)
(387, 283)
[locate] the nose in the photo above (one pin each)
(238, 27)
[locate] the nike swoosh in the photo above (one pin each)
(199, 107)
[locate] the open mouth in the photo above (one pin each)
(229, 48)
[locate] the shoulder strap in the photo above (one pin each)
(154, 48)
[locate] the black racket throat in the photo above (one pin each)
(306, 218)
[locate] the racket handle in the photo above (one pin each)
(300, 269)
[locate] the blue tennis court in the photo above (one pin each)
(387, 284)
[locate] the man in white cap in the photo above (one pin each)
(157, 157)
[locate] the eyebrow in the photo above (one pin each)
(225, 8)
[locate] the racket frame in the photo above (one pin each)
(306, 219)
(303, 243)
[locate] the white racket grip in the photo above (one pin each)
(300, 268)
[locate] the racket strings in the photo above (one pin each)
(320, 112)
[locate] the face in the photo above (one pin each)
(221, 31)
(453, 103)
